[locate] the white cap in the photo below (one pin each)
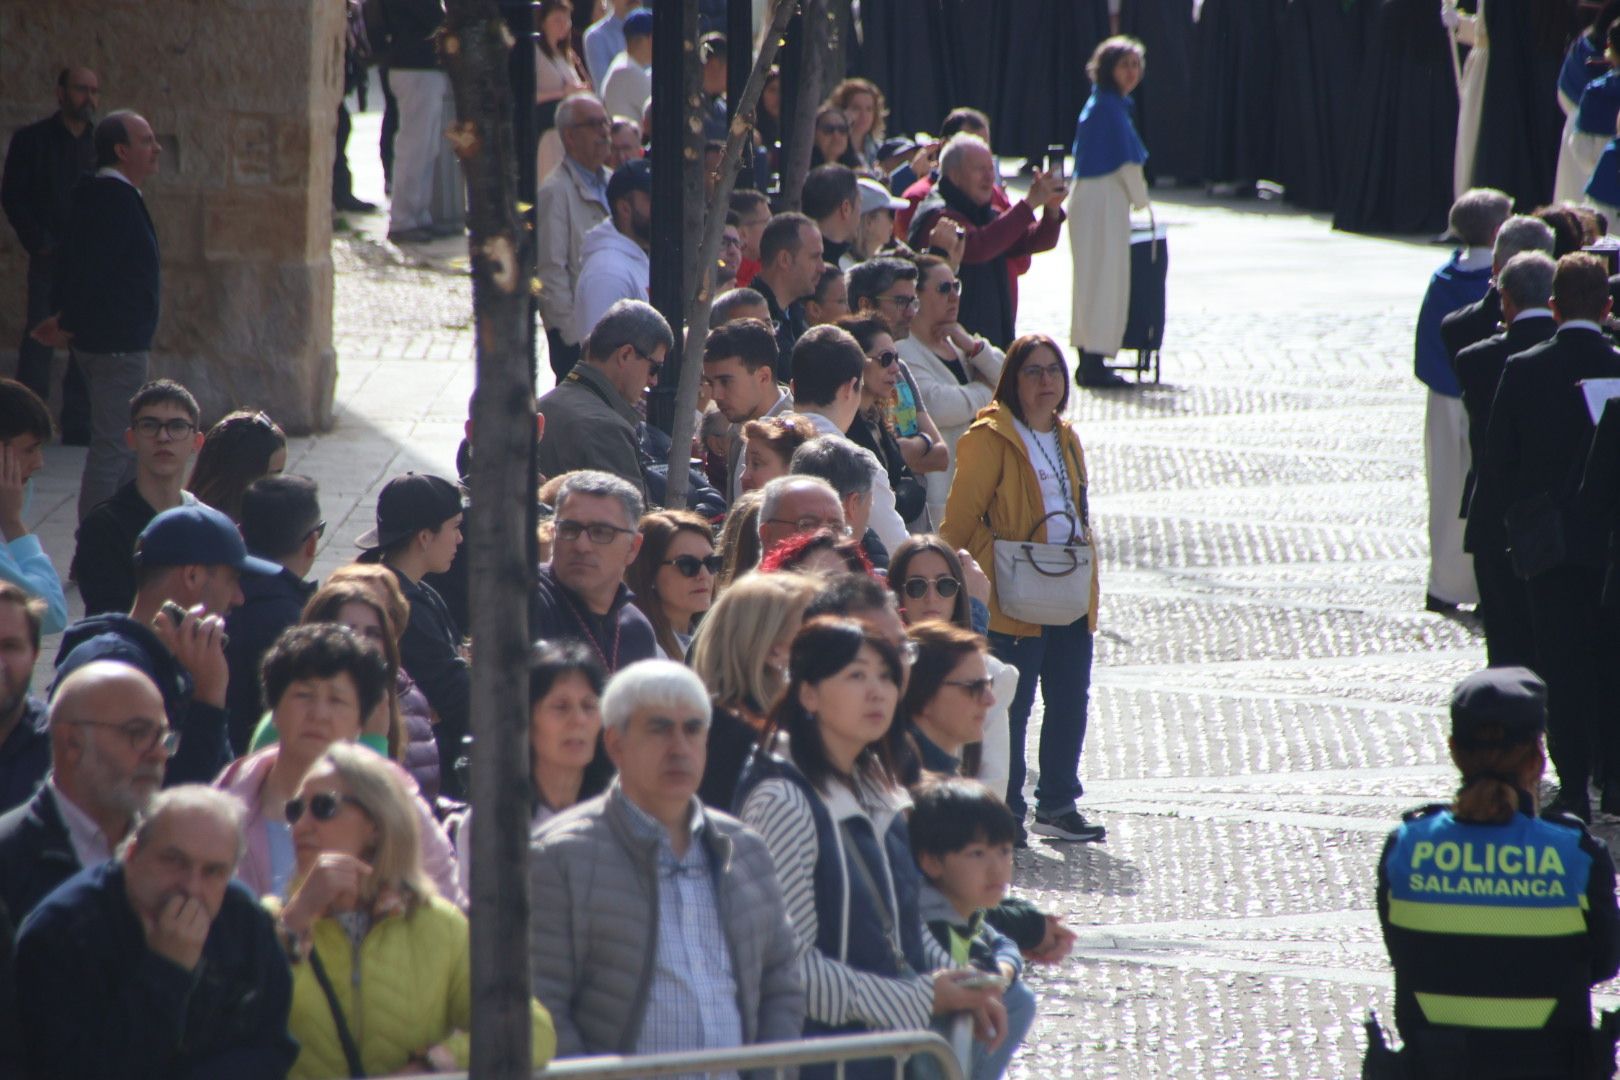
(874, 196)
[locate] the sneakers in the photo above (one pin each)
(1070, 825)
(1021, 840)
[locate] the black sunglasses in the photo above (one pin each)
(322, 807)
(917, 587)
(833, 129)
(689, 565)
(949, 288)
(886, 359)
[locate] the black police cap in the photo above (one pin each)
(1498, 707)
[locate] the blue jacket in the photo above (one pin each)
(1449, 289)
(100, 1004)
(23, 562)
(25, 756)
(270, 604)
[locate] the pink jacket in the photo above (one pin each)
(245, 778)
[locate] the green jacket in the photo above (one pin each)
(589, 426)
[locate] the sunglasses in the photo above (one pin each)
(689, 565)
(833, 129)
(885, 359)
(322, 807)
(946, 586)
(949, 288)
(974, 687)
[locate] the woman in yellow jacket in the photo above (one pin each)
(380, 963)
(1018, 464)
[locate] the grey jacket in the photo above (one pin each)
(589, 426)
(564, 211)
(593, 894)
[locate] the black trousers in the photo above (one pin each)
(342, 179)
(1504, 604)
(563, 355)
(1577, 650)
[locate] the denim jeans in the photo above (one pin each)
(983, 1063)
(1059, 659)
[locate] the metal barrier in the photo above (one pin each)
(900, 1046)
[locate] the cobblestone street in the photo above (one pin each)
(1269, 692)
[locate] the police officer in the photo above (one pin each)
(1498, 922)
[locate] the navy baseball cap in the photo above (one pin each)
(639, 23)
(1498, 707)
(197, 535)
(408, 504)
(631, 176)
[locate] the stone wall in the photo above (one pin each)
(243, 95)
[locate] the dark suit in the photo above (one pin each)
(1537, 443)
(1504, 603)
(1471, 323)
(35, 854)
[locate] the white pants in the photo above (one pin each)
(422, 120)
(1446, 461)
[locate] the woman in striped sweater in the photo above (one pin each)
(832, 814)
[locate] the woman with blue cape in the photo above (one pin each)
(1108, 183)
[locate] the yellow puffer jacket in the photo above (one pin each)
(413, 991)
(994, 479)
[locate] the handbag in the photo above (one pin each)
(1048, 584)
(351, 1052)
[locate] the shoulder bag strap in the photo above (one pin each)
(881, 898)
(351, 1052)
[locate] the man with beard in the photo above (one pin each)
(614, 264)
(25, 741)
(109, 742)
(43, 163)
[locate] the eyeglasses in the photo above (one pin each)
(600, 532)
(653, 366)
(811, 524)
(142, 737)
(318, 531)
(323, 806)
(885, 359)
(600, 122)
(904, 303)
(689, 565)
(1038, 372)
(833, 129)
(176, 429)
(949, 288)
(946, 586)
(974, 687)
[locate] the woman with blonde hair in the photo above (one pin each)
(381, 973)
(739, 541)
(672, 579)
(740, 653)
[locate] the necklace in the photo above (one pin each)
(610, 659)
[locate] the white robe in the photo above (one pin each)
(1099, 225)
(1470, 98)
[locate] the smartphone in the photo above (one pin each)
(1054, 161)
(173, 612)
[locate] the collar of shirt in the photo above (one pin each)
(650, 828)
(90, 844)
(822, 424)
(109, 170)
(595, 183)
(1534, 313)
(1473, 258)
(1579, 324)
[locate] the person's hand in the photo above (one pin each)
(1042, 188)
(950, 996)
(199, 644)
(1449, 17)
(925, 160)
(958, 336)
(1055, 946)
(178, 932)
(990, 1023)
(13, 492)
(973, 577)
(332, 884)
(50, 333)
(948, 236)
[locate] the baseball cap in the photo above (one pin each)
(639, 23)
(896, 146)
(631, 176)
(1498, 707)
(197, 535)
(874, 196)
(408, 504)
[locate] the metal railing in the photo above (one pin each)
(898, 1046)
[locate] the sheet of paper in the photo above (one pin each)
(1598, 393)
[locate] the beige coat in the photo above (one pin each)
(564, 211)
(1099, 209)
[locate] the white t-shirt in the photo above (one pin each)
(1045, 450)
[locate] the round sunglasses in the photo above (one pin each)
(689, 565)
(917, 587)
(322, 807)
(885, 359)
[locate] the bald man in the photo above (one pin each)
(110, 741)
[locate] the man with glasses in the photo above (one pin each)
(591, 415)
(110, 739)
(847, 468)
(569, 203)
(281, 522)
(165, 435)
(790, 505)
(580, 594)
(790, 256)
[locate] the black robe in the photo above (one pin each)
(1038, 60)
(1236, 42)
(1399, 177)
(1165, 101)
(1320, 55)
(1521, 124)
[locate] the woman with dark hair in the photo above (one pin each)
(949, 694)
(1108, 185)
(863, 106)
(872, 429)
(832, 139)
(565, 725)
(833, 815)
(822, 552)
(1022, 476)
(558, 72)
(768, 445)
(244, 446)
(673, 576)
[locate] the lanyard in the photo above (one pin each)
(610, 660)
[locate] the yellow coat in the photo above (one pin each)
(414, 992)
(995, 480)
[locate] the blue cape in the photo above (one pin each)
(1574, 75)
(1599, 105)
(1605, 183)
(1104, 136)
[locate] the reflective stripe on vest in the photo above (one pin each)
(1500, 1013)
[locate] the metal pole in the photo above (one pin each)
(671, 42)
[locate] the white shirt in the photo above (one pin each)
(111, 170)
(1045, 450)
(886, 520)
(90, 844)
(1579, 324)
(626, 89)
(1534, 313)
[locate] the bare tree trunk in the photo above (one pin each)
(838, 28)
(699, 281)
(474, 48)
(812, 91)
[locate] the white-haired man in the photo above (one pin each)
(659, 924)
(569, 203)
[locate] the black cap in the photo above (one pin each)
(408, 504)
(197, 535)
(895, 146)
(1498, 707)
(631, 176)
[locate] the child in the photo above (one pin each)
(962, 838)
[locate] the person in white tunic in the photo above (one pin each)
(1108, 156)
(1467, 29)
